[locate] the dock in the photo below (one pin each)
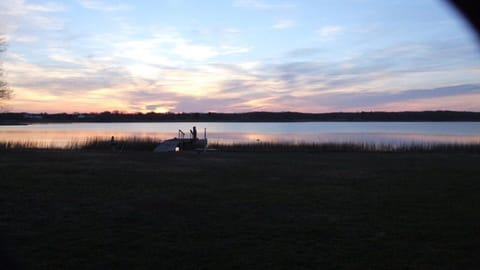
(181, 143)
(175, 145)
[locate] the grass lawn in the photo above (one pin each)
(140, 210)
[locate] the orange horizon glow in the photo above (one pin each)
(289, 60)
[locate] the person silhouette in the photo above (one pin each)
(113, 143)
(194, 133)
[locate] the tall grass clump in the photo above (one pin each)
(95, 143)
(346, 147)
(120, 144)
(293, 147)
(149, 143)
(24, 145)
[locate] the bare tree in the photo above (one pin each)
(4, 90)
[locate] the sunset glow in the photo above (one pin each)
(238, 55)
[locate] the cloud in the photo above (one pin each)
(196, 52)
(18, 15)
(457, 97)
(329, 31)
(20, 7)
(165, 70)
(171, 49)
(259, 4)
(46, 7)
(23, 38)
(349, 84)
(206, 104)
(156, 99)
(461, 102)
(285, 24)
(164, 107)
(102, 6)
(226, 50)
(60, 81)
(408, 97)
(295, 86)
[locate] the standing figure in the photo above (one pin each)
(113, 144)
(194, 133)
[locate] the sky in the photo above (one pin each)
(238, 56)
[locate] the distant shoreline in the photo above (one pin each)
(22, 118)
(194, 121)
(13, 124)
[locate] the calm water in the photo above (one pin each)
(371, 132)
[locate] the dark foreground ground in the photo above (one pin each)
(93, 210)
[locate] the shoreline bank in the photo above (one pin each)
(148, 144)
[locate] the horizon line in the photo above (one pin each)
(246, 112)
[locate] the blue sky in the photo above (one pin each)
(238, 55)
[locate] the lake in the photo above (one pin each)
(318, 132)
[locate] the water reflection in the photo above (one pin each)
(62, 138)
(377, 138)
(317, 132)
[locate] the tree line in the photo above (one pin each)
(239, 117)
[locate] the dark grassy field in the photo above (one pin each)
(139, 210)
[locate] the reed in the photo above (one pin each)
(121, 144)
(93, 143)
(346, 147)
(24, 145)
(149, 143)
